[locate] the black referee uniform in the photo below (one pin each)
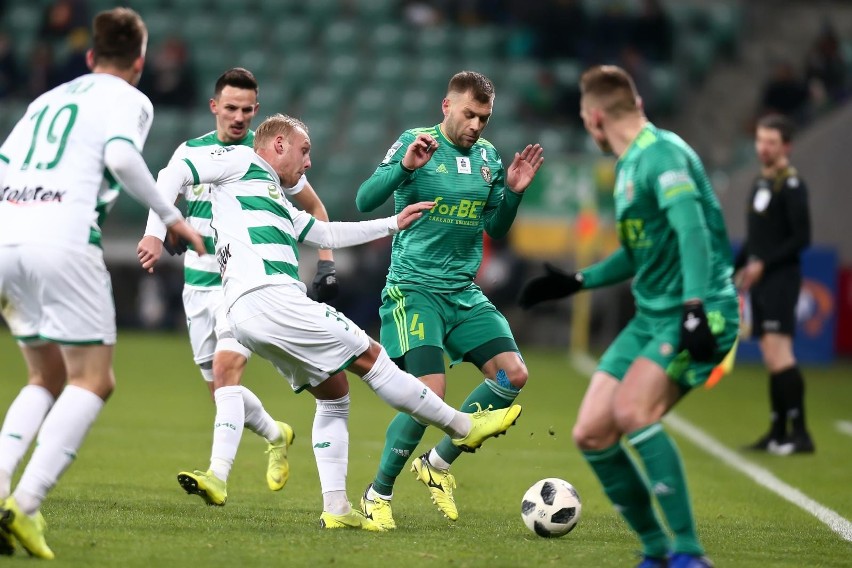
(778, 230)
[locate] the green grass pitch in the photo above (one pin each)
(120, 504)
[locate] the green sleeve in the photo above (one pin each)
(502, 206)
(500, 219)
(387, 178)
(677, 194)
(615, 268)
(693, 240)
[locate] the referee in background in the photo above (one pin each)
(768, 267)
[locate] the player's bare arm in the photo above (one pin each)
(523, 168)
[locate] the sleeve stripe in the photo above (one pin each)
(307, 228)
(124, 138)
(4, 158)
(195, 178)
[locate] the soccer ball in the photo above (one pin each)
(551, 507)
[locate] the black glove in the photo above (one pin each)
(695, 334)
(325, 282)
(555, 284)
(176, 249)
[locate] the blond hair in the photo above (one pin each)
(275, 125)
(612, 88)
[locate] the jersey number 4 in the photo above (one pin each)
(416, 327)
(56, 136)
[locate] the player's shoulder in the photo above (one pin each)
(414, 132)
(205, 140)
(487, 148)
(792, 179)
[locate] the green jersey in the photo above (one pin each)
(657, 172)
(443, 250)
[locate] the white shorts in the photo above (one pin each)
(207, 323)
(57, 294)
(306, 341)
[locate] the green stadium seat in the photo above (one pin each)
(698, 53)
(320, 12)
(388, 39)
(200, 122)
(566, 73)
(481, 42)
(390, 71)
(664, 81)
(433, 74)
(23, 19)
(725, 23)
(344, 71)
(274, 96)
(417, 108)
(322, 101)
(435, 42)
(340, 37)
(290, 34)
(211, 60)
(189, 10)
(299, 68)
(205, 29)
(369, 136)
(371, 103)
(373, 12)
(161, 25)
(259, 62)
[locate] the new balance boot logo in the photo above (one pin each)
(322, 444)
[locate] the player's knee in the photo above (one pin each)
(512, 376)
(587, 437)
(629, 418)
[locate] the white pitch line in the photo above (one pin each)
(844, 426)
(760, 475)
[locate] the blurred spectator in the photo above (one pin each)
(41, 73)
(653, 32)
(9, 74)
(62, 17)
(634, 62)
(785, 93)
(73, 62)
(824, 63)
(613, 32)
(563, 27)
(421, 13)
(169, 79)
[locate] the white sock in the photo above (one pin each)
(61, 435)
(22, 421)
(406, 394)
(258, 419)
(372, 494)
(437, 461)
(227, 429)
(331, 450)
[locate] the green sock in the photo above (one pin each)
(668, 482)
(402, 437)
(486, 393)
(628, 491)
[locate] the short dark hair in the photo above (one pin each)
(117, 37)
(238, 77)
(778, 122)
(479, 86)
(612, 86)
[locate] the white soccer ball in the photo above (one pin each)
(551, 507)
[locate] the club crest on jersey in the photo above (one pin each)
(486, 172)
(274, 192)
(197, 189)
(221, 151)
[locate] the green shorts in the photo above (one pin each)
(656, 337)
(464, 324)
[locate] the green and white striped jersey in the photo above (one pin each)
(203, 271)
(256, 230)
(56, 189)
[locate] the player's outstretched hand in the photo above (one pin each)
(695, 334)
(524, 167)
(420, 151)
(554, 284)
(181, 230)
(149, 250)
(412, 213)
